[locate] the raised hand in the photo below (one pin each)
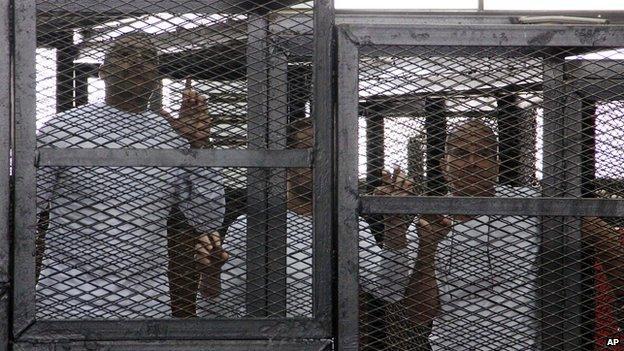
(194, 122)
(432, 228)
(395, 226)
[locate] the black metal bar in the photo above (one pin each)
(375, 141)
(435, 128)
(347, 183)
(375, 159)
(323, 117)
(192, 329)
(509, 131)
(492, 206)
(65, 53)
(232, 345)
(24, 221)
(174, 158)
(257, 179)
(551, 278)
(81, 85)
(276, 207)
(594, 36)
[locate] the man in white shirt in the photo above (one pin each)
(106, 244)
(475, 277)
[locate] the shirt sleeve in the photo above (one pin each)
(47, 177)
(385, 273)
(201, 197)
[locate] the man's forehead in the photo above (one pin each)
(471, 133)
(134, 42)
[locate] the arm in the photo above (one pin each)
(422, 298)
(421, 295)
(391, 276)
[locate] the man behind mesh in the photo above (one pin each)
(231, 302)
(475, 277)
(105, 244)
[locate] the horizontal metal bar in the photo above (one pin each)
(491, 206)
(98, 7)
(471, 16)
(233, 345)
(174, 158)
(491, 35)
(596, 69)
(191, 329)
(600, 89)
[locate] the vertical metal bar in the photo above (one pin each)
(24, 45)
(375, 157)
(347, 172)
(573, 250)
(81, 85)
(156, 100)
(551, 280)
(435, 127)
(588, 175)
(508, 117)
(298, 91)
(64, 71)
(277, 209)
(4, 320)
(5, 164)
(5, 138)
(323, 168)
(257, 32)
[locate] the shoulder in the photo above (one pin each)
(70, 124)
(164, 134)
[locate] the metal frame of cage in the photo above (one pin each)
(17, 25)
(18, 31)
(559, 316)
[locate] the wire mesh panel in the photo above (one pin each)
(474, 149)
(174, 176)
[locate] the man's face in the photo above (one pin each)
(471, 165)
(131, 66)
(300, 179)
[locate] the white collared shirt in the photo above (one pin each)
(106, 245)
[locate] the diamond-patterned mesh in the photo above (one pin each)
(161, 242)
(489, 122)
